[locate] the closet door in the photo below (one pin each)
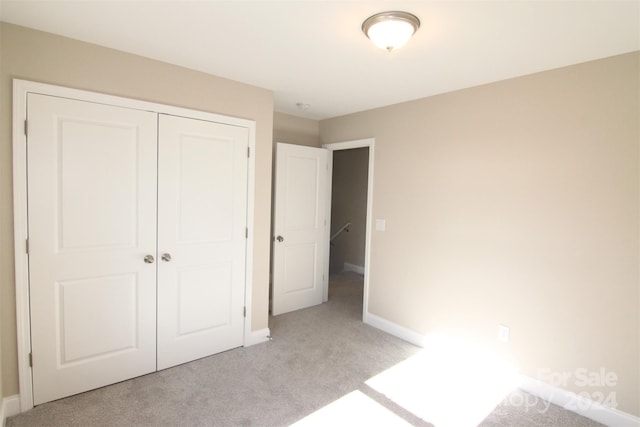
(92, 220)
(201, 238)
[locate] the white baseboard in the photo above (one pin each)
(563, 398)
(10, 407)
(352, 267)
(257, 337)
(395, 330)
(578, 404)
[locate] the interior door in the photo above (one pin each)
(201, 238)
(92, 209)
(301, 227)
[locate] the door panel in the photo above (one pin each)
(202, 225)
(301, 227)
(302, 191)
(300, 267)
(89, 152)
(92, 203)
(205, 183)
(92, 302)
(204, 298)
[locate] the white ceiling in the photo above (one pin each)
(314, 52)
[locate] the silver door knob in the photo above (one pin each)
(149, 259)
(280, 239)
(166, 257)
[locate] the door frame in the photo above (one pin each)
(21, 88)
(348, 145)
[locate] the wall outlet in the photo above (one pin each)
(381, 225)
(503, 333)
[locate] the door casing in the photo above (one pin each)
(19, 125)
(348, 145)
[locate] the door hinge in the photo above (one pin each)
(246, 233)
(248, 151)
(26, 246)
(244, 311)
(25, 128)
(31, 359)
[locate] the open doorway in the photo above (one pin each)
(351, 194)
(348, 210)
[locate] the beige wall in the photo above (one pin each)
(515, 203)
(42, 57)
(349, 204)
(296, 130)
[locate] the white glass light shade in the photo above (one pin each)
(390, 30)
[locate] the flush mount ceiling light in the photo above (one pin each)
(390, 30)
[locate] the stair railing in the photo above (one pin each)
(344, 228)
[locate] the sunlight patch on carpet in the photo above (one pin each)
(353, 409)
(449, 383)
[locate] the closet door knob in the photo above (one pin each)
(149, 259)
(166, 257)
(280, 239)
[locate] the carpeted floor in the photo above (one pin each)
(313, 372)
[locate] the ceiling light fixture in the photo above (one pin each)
(390, 30)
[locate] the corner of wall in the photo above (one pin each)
(296, 130)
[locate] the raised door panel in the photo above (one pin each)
(92, 206)
(202, 223)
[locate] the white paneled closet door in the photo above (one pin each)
(201, 238)
(92, 221)
(137, 242)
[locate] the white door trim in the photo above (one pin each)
(347, 145)
(20, 90)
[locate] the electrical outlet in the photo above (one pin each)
(503, 333)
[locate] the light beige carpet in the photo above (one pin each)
(314, 372)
